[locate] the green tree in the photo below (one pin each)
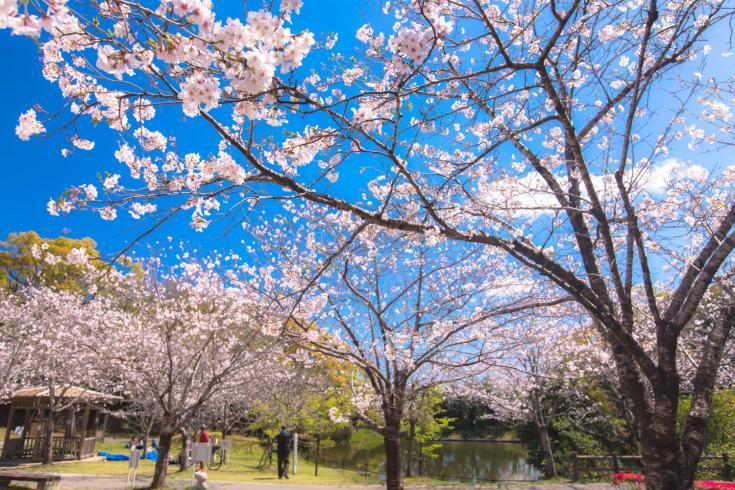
(312, 398)
(28, 259)
(424, 422)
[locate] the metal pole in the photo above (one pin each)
(295, 452)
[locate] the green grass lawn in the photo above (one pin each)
(242, 467)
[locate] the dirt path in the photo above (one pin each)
(73, 482)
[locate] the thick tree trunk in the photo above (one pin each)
(548, 452)
(410, 445)
(48, 437)
(164, 448)
(654, 405)
(393, 457)
(665, 472)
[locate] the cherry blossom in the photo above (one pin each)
(28, 125)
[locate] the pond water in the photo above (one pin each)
(464, 460)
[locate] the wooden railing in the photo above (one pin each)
(63, 448)
(87, 447)
(603, 466)
(18, 449)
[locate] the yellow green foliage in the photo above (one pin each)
(19, 266)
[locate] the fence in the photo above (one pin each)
(63, 448)
(598, 466)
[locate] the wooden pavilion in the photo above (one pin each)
(83, 423)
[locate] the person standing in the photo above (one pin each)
(283, 449)
(203, 438)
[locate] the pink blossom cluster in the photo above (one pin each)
(199, 92)
(28, 125)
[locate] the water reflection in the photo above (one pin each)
(465, 459)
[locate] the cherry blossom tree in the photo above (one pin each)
(11, 354)
(535, 382)
(48, 320)
(409, 313)
(187, 338)
(48, 330)
(546, 131)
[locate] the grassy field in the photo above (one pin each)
(242, 467)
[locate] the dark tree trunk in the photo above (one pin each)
(184, 439)
(548, 452)
(410, 445)
(224, 423)
(392, 442)
(543, 421)
(654, 409)
(164, 448)
(48, 437)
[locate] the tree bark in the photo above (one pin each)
(410, 447)
(224, 422)
(164, 448)
(48, 439)
(393, 457)
(550, 469)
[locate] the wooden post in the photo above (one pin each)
(575, 464)
(83, 435)
(421, 460)
(95, 428)
(295, 452)
(316, 460)
(38, 443)
(615, 463)
(96, 423)
(104, 428)
(11, 414)
(727, 472)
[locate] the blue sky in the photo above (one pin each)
(34, 170)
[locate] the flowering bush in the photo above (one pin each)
(628, 480)
(722, 485)
(625, 478)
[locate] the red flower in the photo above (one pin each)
(623, 477)
(720, 485)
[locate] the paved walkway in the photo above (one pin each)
(70, 481)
